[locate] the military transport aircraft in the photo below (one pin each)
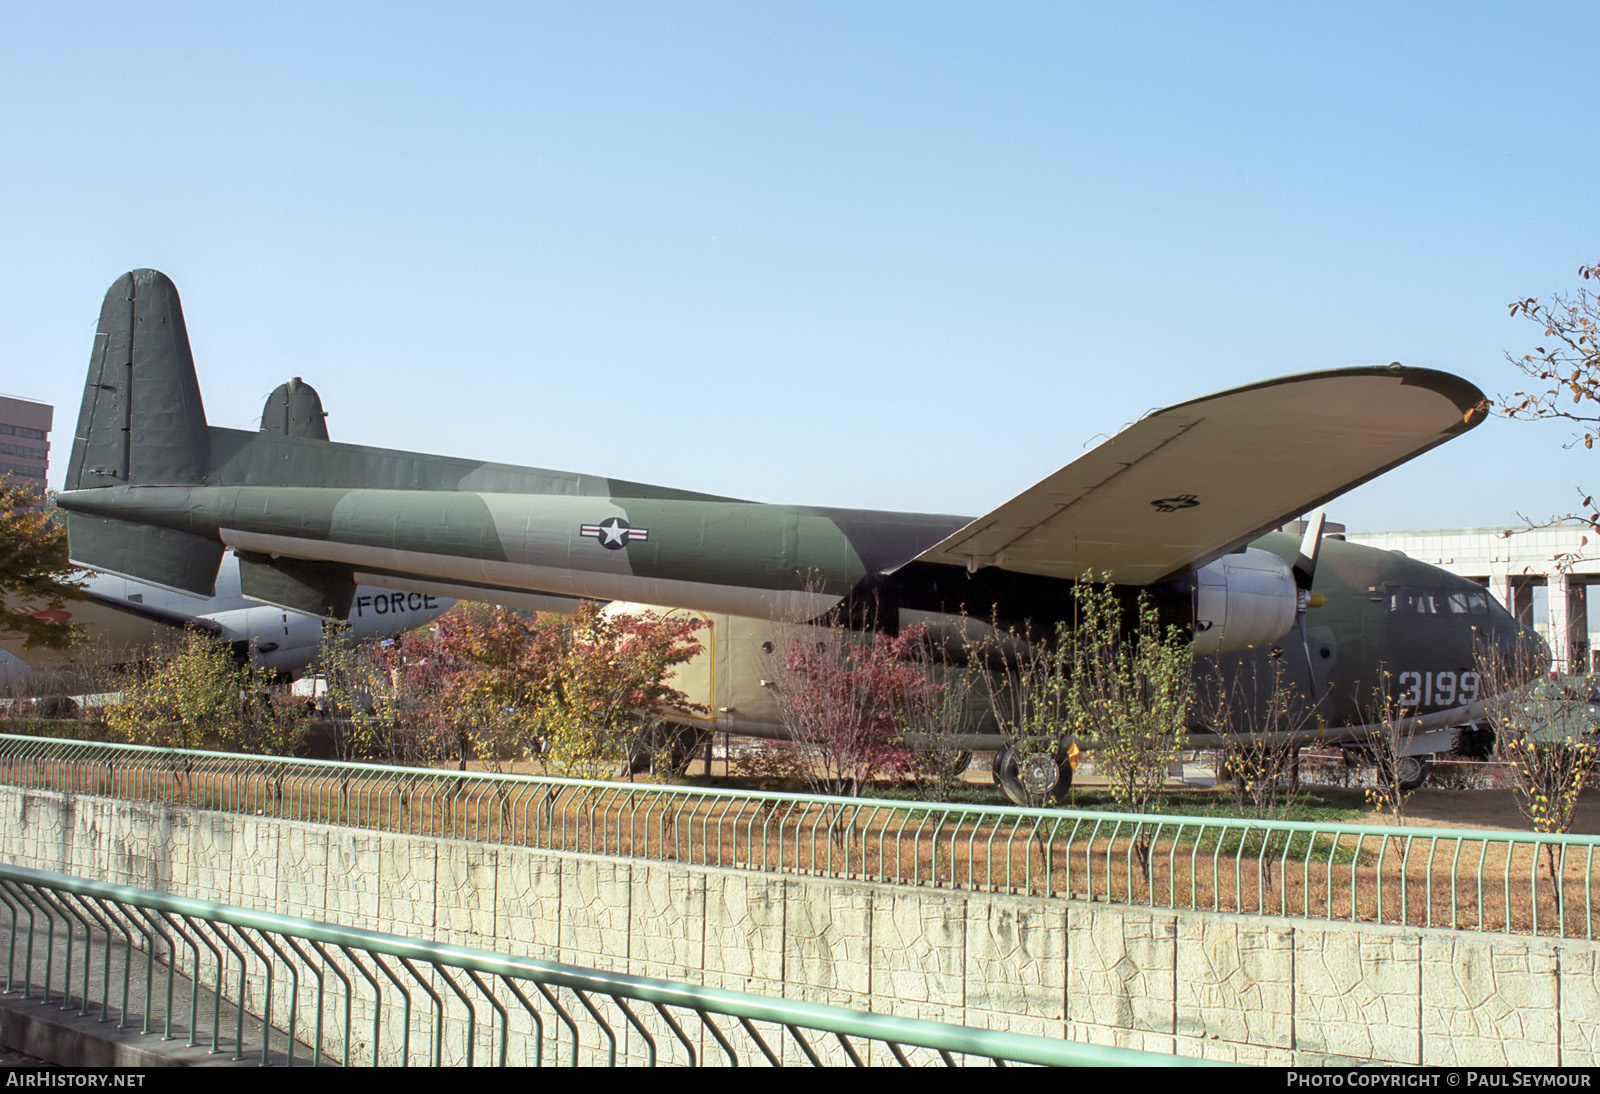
(1172, 505)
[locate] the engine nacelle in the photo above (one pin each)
(1243, 600)
(278, 639)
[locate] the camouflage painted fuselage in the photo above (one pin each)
(156, 493)
(504, 532)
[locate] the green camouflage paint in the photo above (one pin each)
(155, 492)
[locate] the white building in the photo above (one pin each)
(1542, 575)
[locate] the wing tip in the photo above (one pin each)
(1470, 402)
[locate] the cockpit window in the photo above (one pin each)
(1469, 602)
(1422, 600)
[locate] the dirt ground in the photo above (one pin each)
(1432, 807)
(1428, 807)
(1493, 806)
(1483, 809)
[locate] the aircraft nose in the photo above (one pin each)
(1514, 654)
(1528, 655)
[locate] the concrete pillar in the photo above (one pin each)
(1575, 601)
(1556, 594)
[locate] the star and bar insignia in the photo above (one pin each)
(614, 533)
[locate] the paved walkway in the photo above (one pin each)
(39, 1033)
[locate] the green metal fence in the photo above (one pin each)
(1470, 879)
(315, 993)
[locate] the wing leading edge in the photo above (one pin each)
(1187, 484)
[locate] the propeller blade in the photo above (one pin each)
(1305, 572)
(1305, 565)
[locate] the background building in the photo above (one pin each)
(25, 439)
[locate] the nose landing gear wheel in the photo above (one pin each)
(1031, 777)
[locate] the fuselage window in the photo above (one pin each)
(1410, 600)
(1469, 602)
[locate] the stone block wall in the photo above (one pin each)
(1251, 989)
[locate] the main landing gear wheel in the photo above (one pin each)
(1474, 743)
(1412, 770)
(954, 765)
(665, 749)
(1031, 777)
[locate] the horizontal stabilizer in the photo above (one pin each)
(112, 627)
(1187, 484)
(145, 552)
(315, 588)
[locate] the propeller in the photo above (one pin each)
(1305, 572)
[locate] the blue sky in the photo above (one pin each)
(890, 255)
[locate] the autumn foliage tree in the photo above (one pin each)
(1542, 731)
(608, 684)
(1031, 697)
(425, 728)
(847, 701)
(1128, 685)
(571, 692)
(1393, 728)
(365, 696)
(1258, 715)
(35, 576)
(488, 681)
(954, 704)
(193, 693)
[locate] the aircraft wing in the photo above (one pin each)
(1187, 484)
(119, 624)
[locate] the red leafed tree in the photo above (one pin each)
(847, 700)
(422, 664)
(571, 690)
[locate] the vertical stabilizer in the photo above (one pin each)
(295, 409)
(142, 422)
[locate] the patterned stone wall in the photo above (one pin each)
(1246, 988)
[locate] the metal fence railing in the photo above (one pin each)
(275, 989)
(1485, 880)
